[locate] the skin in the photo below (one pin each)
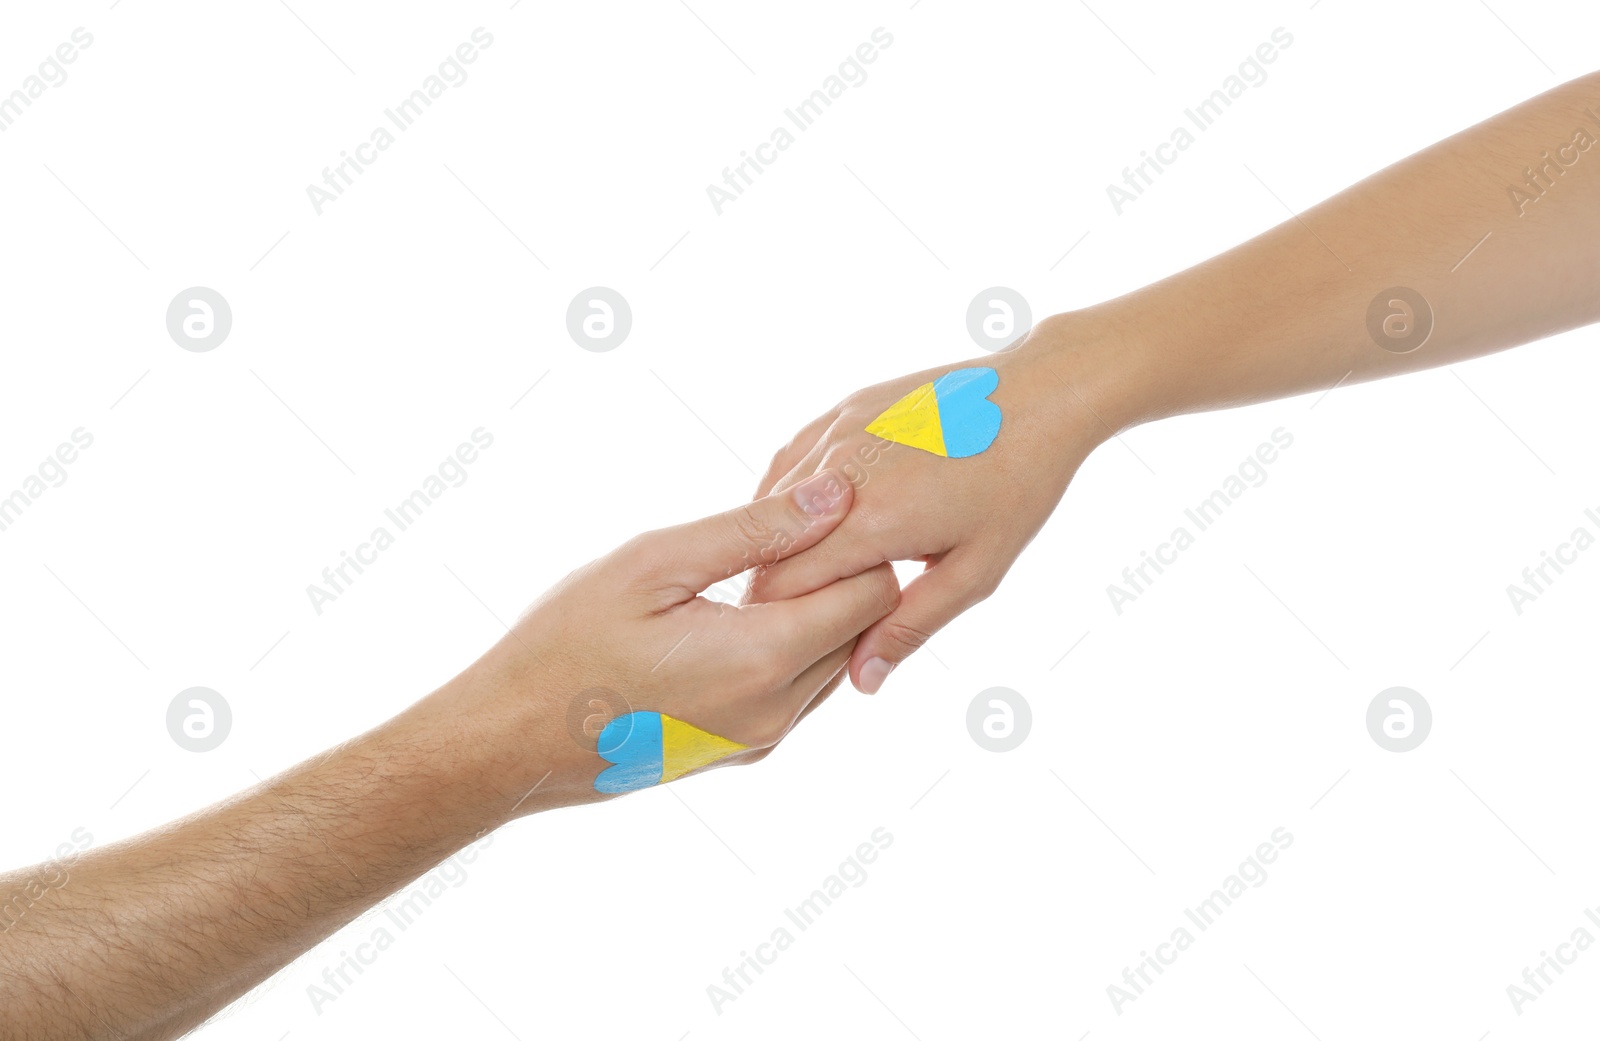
(149, 937)
(1285, 313)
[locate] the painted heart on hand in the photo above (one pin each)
(951, 416)
(650, 748)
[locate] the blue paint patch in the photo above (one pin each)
(970, 420)
(633, 742)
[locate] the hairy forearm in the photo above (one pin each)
(576, 704)
(1288, 311)
(150, 936)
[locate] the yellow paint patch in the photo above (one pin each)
(685, 748)
(913, 420)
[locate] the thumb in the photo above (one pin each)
(928, 604)
(762, 532)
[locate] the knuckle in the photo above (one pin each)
(903, 635)
(759, 538)
(636, 548)
(975, 580)
(883, 586)
(984, 585)
(766, 733)
(769, 582)
(641, 556)
(753, 678)
(884, 573)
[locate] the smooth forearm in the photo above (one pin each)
(1287, 312)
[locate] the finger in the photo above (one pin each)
(814, 685)
(809, 464)
(691, 557)
(804, 696)
(929, 603)
(851, 550)
(753, 593)
(790, 454)
(832, 684)
(801, 631)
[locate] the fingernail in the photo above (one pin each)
(873, 673)
(820, 495)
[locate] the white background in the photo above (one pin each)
(1228, 701)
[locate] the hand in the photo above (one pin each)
(628, 633)
(966, 519)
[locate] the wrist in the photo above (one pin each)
(500, 746)
(1102, 366)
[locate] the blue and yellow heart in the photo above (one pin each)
(952, 416)
(650, 748)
